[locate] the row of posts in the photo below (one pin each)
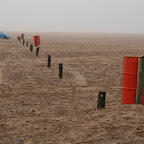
(60, 67)
(49, 58)
(101, 95)
(31, 46)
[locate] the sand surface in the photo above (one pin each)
(39, 108)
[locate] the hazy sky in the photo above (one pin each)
(107, 16)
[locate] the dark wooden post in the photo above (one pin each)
(23, 41)
(101, 100)
(31, 47)
(26, 43)
(60, 70)
(139, 91)
(37, 51)
(49, 60)
(19, 39)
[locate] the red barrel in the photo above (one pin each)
(129, 80)
(22, 36)
(36, 40)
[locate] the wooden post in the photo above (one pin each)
(139, 91)
(26, 43)
(60, 70)
(37, 51)
(101, 100)
(31, 47)
(49, 60)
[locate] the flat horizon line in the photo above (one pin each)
(122, 33)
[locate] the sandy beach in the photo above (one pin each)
(39, 108)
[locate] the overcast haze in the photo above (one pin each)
(106, 16)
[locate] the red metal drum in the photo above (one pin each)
(36, 40)
(22, 36)
(129, 80)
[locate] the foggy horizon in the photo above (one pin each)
(73, 16)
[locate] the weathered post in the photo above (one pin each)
(19, 38)
(23, 41)
(49, 60)
(139, 91)
(26, 43)
(37, 51)
(31, 47)
(60, 70)
(101, 100)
